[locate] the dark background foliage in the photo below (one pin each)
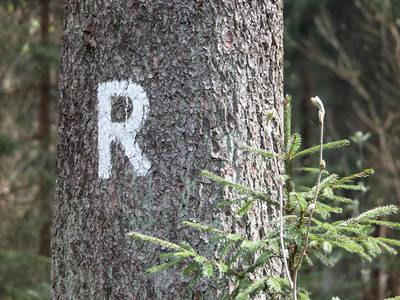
(345, 51)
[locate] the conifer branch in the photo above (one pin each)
(238, 259)
(316, 148)
(321, 114)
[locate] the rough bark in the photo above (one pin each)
(210, 70)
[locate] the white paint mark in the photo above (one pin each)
(122, 132)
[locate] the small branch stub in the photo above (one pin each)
(322, 165)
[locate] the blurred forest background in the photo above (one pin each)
(345, 51)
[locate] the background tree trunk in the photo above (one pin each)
(45, 191)
(210, 70)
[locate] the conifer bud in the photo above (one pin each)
(270, 116)
(311, 207)
(318, 104)
(322, 165)
(287, 100)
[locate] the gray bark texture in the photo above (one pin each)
(210, 69)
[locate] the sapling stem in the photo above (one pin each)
(280, 191)
(321, 115)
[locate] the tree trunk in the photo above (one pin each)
(173, 87)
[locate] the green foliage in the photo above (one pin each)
(315, 149)
(240, 189)
(262, 152)
(24, 276)
(360, 138)
(315, 229)
(287, 121)
(7, 145)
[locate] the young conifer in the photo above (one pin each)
(311, 225)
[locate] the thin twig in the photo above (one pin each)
(311, 211)
(281, 233)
